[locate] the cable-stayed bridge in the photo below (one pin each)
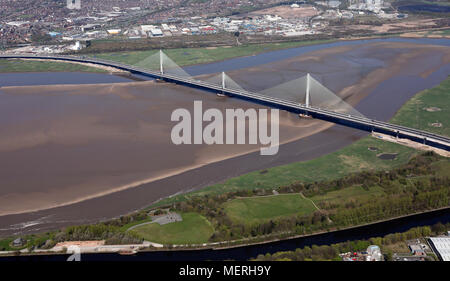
(307, 90)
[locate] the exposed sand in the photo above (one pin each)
(76, 142)
(400, 26)
(412, 144)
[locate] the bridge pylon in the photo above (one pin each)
(223, 76)
(161, 61)
(308, 88)
(307, 96)
(223, 80)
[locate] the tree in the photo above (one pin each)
(388, 255)
(438, 228)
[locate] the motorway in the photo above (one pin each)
(361, 123)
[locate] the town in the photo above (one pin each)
(62, 27)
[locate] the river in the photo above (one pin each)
(378, 104)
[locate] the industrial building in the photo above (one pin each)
(441, 246)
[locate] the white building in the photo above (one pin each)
(374, 253)
(17, 23)
(156, 32)
(442, 246)
(113, 31)
(147, 28)
(76, 47)
(74, 4)
(272, 17)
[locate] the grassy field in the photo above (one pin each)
(428, 107)
(356, 193)
(5, 244)
(261, 209)
(44, 66)
(194, 229)
(353, 158)
(443, 32)
(192, 56)
(442, 168)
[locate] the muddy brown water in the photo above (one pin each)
(77, 143)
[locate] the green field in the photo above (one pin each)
(14, 65)
(353, 193)
(194, 229)
(415, 114)
(442, 168)
(5, 244)
(261, 209)
(442, 32)
(351, 159)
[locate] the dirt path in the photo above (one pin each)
(304, 197)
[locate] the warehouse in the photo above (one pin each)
(441, 246)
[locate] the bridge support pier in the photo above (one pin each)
(307, 98)
(161, 68)
(223, 80)
(222, 94)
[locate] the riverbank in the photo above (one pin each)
(429, 110)
(347, 201)
(249, 251)
(18, 65)
(182, 56)
(307, 146)
(330, 231)
(196, 56)
(420, 168)
(427, 168)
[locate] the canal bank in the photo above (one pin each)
(243, 253)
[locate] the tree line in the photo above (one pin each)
(331, 252)
(410, 188)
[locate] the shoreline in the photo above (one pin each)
(404, 34)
